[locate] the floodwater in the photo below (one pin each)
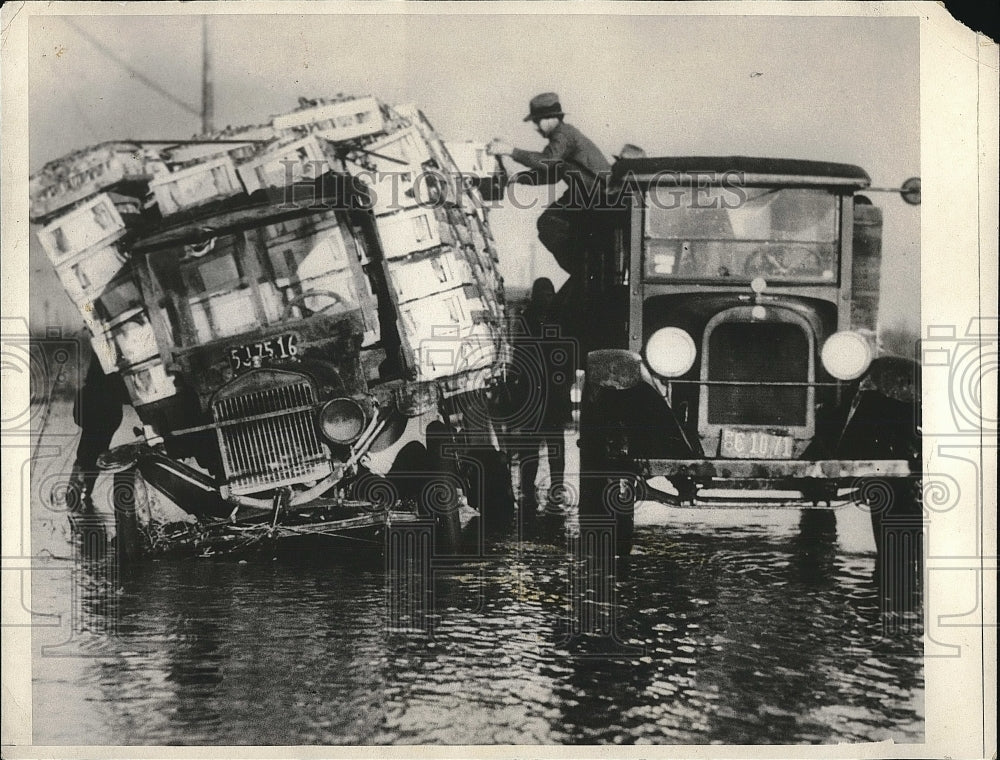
(745, 626)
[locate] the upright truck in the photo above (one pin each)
(729, 314)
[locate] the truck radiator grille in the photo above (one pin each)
(268, 438)
(759, 353)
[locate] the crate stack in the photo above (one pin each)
(439, 258)
(440, 261)
(291, 148)
(87, 215)
(306, 145)
(60, 184)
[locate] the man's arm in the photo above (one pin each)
(547, 164)
(533, 177)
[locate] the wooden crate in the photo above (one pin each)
(392, 169)
(237, 151)
(76, 177)
(404, 147)
(296, 227)
(148, 382)
(196, 185)
(471, 158)
(469, 348)
(432, 142)
(344, 120)
(96, 222)
(104, 348)
(407, 232)
(445, 333)
(315, 242)
(440, 314)
(134, 340)
(223, 314)
(390, 191)
(302, 160)
(129, 341)
(425, 276)
(86, 275)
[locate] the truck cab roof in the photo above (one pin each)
(743, 170)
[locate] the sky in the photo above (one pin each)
(832, 88)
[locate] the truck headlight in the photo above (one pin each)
(670, 352)
(341, 420)
(846, 355)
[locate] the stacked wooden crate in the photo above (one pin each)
(338, 120)
(75, 178)
(438, 256)
(196, 185)
(284, 164)
(438, 265)
(294, 147)
(86, 249)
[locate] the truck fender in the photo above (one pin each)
(883, 420)
(622, 407)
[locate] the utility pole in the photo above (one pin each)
(207, 93)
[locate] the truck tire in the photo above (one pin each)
(128, 537)
(420, 475)
(440, 499)
(490, 489)
(607, 487)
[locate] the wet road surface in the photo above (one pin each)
(725, 627)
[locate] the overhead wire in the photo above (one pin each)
(135, 73)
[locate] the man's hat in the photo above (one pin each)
(544, 106)
(630, 151)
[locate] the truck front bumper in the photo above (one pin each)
(778, 469)
(714, 482)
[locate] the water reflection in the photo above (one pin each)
(710, 634)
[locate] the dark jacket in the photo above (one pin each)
(569, 156)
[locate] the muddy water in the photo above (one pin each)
(725, 627)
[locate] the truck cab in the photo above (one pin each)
(733, 303)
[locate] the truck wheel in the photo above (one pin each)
(608, 489)
(128, 537)
(491, 490)
(440, 499)
(421, 476)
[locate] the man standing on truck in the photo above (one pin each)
(569, 156)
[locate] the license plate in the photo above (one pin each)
(755, 444)
(261, 352)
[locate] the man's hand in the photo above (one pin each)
(498, 147)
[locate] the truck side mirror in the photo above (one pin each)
(910, 191)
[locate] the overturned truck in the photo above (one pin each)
(309, 321)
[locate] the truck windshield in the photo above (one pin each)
(725, 233)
